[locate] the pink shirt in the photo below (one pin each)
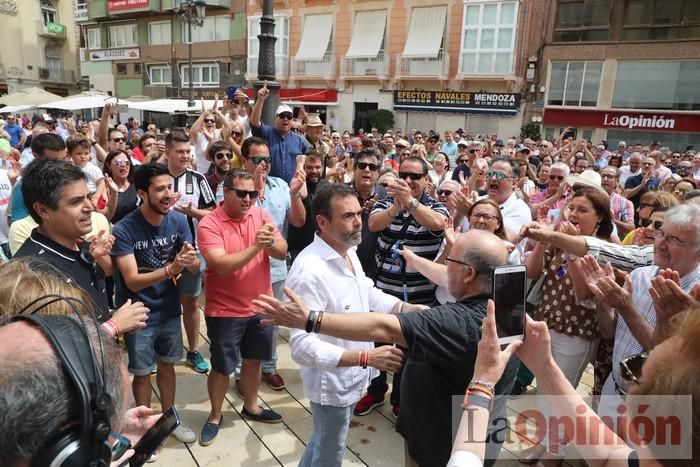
(231, 295)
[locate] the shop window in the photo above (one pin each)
(674, 85)
(574, 84)
(661, 20)
(582, 20)
(121, 69)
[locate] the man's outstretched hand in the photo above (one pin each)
(292, 314)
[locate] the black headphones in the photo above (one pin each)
(83, 444)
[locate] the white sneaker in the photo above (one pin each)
(184, 434)
(153, 457)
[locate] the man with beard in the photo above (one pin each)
(237, 241)
(301, 237)
(330, 278)
(219, 153)
(152, 248)
(364, 182)
(410, 219)
(285, 145)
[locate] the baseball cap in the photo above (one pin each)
(523, 148)
(463, 143)
(283, 108)
(499, 142)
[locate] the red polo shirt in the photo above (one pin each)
(231, 295)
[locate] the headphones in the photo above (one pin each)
(84, 444)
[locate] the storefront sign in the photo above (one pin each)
(463, 102)
(306, 95)
(624, 119)
(114, 54)
(126, 4)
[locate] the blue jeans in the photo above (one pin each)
(326, 445)
(270, 366)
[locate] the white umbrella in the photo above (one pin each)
(16, 108)
(170, 106)
(87, 100)
(29, 96)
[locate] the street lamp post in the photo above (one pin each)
(192, 11)
(266, 62)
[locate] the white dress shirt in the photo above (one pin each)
(322, 279)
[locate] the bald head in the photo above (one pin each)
(25, 336)
(482, 251)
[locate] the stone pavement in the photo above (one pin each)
(372, 440)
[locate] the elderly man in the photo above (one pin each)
(637, 185)
(313, 127)
(501, 180)
(435, 339)
(329, 276)
(554, 196)
(633, 167)
(285, 145)
(411, 218)
(622, 208)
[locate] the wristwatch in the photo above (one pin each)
(413, 204)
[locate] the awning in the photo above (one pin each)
(367, 34)
(425, 32)
(171, 106)
(29, 96)
(84, 100)
(315, 38)
(16, 108)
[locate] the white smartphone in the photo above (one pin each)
(509, 295)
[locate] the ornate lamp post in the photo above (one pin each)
(266, 62)
(193, 12)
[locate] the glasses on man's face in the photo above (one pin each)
(259, 159)
(285, 116)
(664, 237)
(631, 367)
(243, 193)
(646, 222)
(456, 261)
(209, 120)
(484, 216)
(118, 140)
(556, 177)
(444, 192)
(223, 155)
(418, 137)
(412, 176)
(367, 165)
(684, 168)
(498, 175)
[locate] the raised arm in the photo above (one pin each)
(256, 114)
(103, 129)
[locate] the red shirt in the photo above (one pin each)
(231, 296)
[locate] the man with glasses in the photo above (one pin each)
(431, 148)
(195, 201)
(622, 208)
(364, 182)
(685, 169)
(500, 184)
(285, 206)
(464, 160)
(554, 197)
(17, 134)
(237, 241)
(637, 185)
(220, 154)
(285, 145)
(301, 237)
(410, 219)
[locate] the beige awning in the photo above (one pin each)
(367, 34)
(315, 38)
(425, 32)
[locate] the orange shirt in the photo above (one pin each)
(231, 295)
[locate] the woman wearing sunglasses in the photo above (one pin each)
(573, 323)
(652, 208)
(206, 129)
(234, 137)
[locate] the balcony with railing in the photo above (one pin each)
(423, 67)
(53, 30)
(57, 75)
(375, 67)
(324, 68)
(281, 67)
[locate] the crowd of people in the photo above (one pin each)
(378, 250)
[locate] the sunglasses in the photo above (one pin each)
(681, 191)
(631, 367)
(412, 176)
(259, 159)
(237, 134)
(499, 175)
(462, 161)
(367, 165)
(556, 177)
(646, 222)
(472, 151)
(121, 162)
(243, 193)
(209, 120)
(297, 130)
(118, 140)
(223, 155)
(444, 192)
(285, 116)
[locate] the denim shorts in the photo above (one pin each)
(190, 284)
(163, 340)
(235, 338)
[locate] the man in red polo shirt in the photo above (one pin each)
(237, 241)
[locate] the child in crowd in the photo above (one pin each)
(78, 147)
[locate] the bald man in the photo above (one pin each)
(442, 344)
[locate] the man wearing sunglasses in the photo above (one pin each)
(237, 241)
(500, 184)
(285, 145)
(364, 181)
(409, 218)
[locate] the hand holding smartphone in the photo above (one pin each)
(509, 295)
(154, 437)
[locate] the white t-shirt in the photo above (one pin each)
(93, 175)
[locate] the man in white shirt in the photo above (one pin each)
(501, 180)
(329, 277)
(633, 167)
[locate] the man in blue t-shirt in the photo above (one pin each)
(285, 145)
(14, 129)
(153, 246)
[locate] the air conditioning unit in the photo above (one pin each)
(44, 73)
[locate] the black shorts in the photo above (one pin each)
(234, 337)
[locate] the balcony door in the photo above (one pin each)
(363, 115)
